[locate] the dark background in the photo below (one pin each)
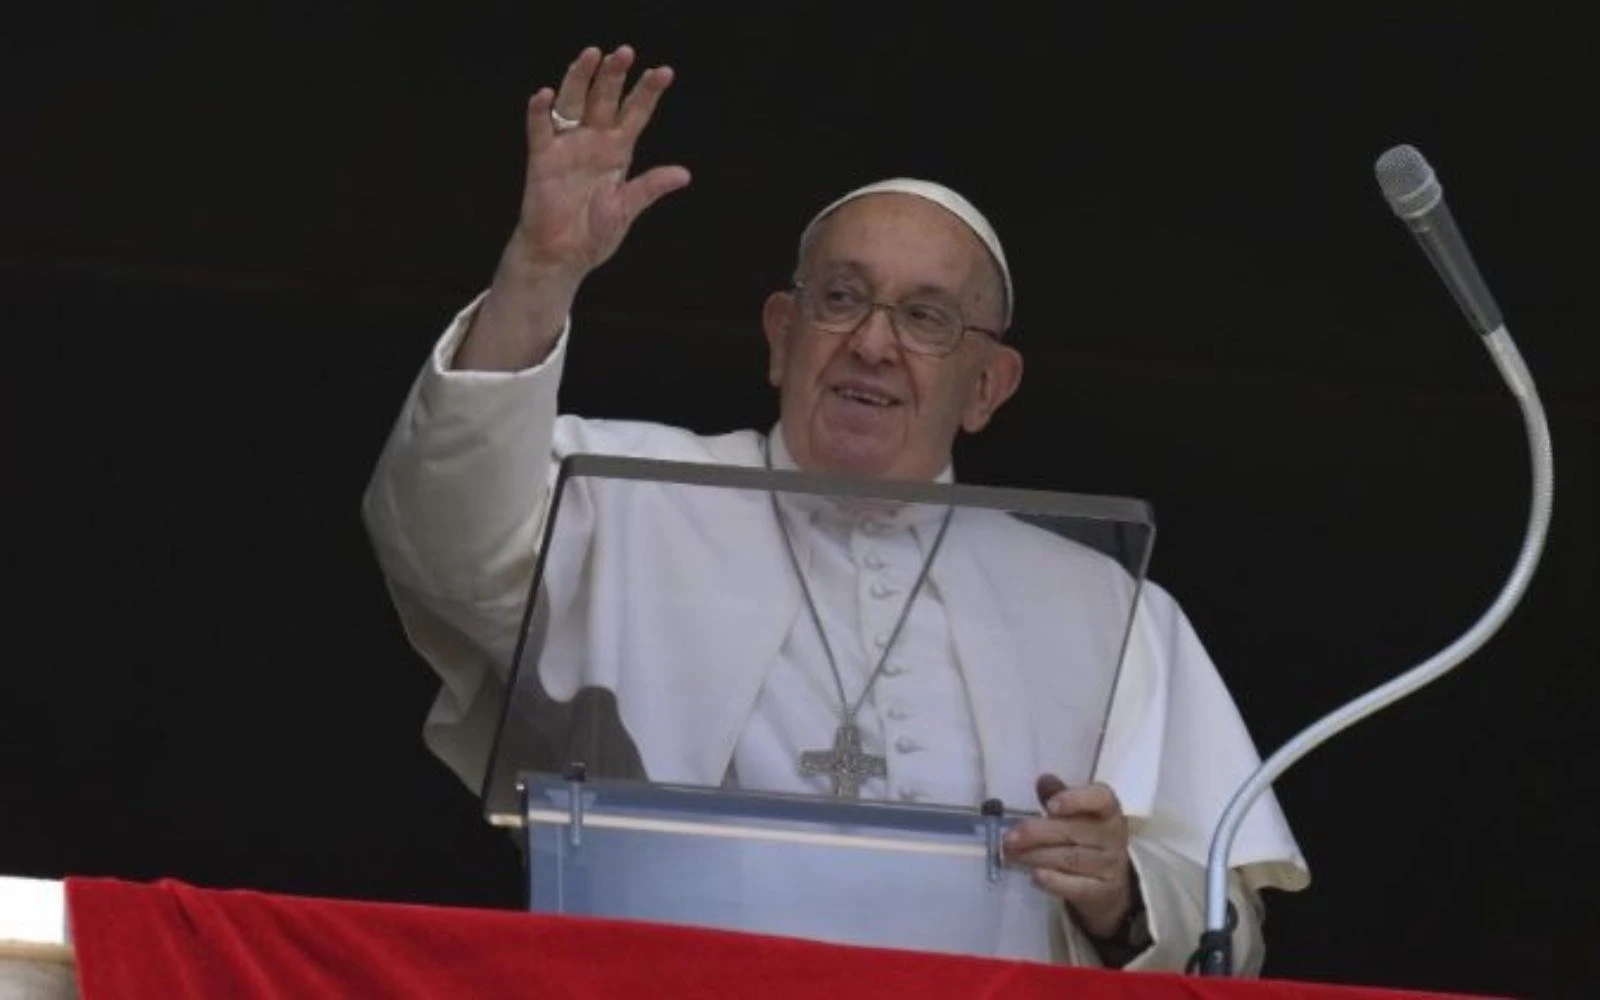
(230, 237)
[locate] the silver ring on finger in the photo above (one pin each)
(561, 123)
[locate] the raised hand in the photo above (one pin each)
(578, 201)
(578, 204)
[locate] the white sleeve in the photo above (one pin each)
(1173, 889)
(454, 511)
(1177, 748)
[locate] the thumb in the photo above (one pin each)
(650, 187)
(1047, 787)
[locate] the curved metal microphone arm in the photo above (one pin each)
(1215, 954)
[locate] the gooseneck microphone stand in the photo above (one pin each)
(1416, 197)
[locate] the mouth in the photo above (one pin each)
(865, 396)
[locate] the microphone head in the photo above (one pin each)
(1407, 181)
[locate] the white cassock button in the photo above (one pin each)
(881, 589)
(906, 744)
(880, 640)
(898, 714)
(893, 670)
(873, 561)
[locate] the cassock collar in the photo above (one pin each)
(782, 459)
(874, 515)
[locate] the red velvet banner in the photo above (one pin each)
(170, 940)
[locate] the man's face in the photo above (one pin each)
(860, 403)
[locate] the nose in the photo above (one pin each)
(874, 341)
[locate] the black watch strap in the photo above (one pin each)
(1132, 934)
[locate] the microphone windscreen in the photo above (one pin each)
(1407, 181)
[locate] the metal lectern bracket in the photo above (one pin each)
(993, 810)
(575, 774)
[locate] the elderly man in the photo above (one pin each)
(889, 342)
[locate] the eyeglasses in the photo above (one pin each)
(924, 326)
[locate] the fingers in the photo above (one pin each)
(1047, 786)
(650, 187)
(1098, 904)
(601, 109)
(1083, 832)
(1096, 800)
(573, 96)
(591, 91)
(642, 100)
(1075, 889)
(1081, 860)
(1078, 851)
(541, 130)
(1031, 834)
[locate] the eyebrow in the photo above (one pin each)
(860, 270)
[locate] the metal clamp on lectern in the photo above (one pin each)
(576, 774)
(993, 811)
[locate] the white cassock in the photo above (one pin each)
(966, 707)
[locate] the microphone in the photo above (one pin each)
(1415, 195)
(1408, 182)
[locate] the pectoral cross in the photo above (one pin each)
(846, 764)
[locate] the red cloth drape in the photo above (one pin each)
(171, 940)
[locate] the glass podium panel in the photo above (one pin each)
(693, 637)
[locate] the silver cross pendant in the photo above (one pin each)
(846, 764)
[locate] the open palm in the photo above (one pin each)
(578, 201)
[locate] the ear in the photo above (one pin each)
(997, 380)
(778, 317)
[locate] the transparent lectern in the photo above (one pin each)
(669, 744)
